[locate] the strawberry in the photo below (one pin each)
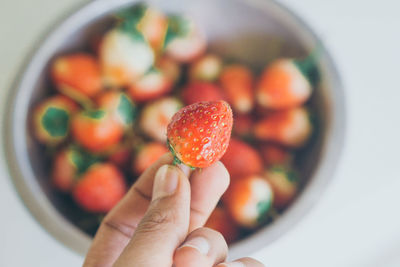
(198, 134)
(77, 76)
(68, 164)
(121, 154)
(201, 91)
(206, 68)
(284, 184)
(221, 221)
(152, 85)
(124, 56)
(282, 85)
(290, 127)
(184, 42)
(99, 188)
(243, 125)
(248, 200)
(147, 155)
(119, 105)
(276, 155)
(156, 116)
(241, 159)
(237, 83)
(150, 22)
(96, 130)
(51, 119)
(170, 68)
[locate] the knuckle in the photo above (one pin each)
(157, 220)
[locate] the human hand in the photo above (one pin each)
(160, 221)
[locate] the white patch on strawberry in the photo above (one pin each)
(156, 116)
(123, 54)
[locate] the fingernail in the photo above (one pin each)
(199, 243)
(165, 182)
(185, 169)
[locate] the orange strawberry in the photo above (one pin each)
(152, 85)
(198, 134)
(288, 127)
(241, 159)
(276, 155)
(237, 83)
(201, 91)
(156, 116)
(68, 164)
(284, 184)
(77, 76)
(51, 119)
(206, 68)
(184, 42)
(96, 130)
(221, 221)
(100, 188)
(119, 105)
(283, 85)
(147, 155)
(248, 200)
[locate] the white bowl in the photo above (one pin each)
(252, 31)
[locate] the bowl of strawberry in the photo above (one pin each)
(118, 84)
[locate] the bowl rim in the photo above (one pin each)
(72, 237)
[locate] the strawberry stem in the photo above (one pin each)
(308, 65)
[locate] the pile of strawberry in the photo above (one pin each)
(107, 119)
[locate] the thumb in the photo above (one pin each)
(165, 224)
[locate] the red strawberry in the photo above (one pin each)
(241, 159)
(243, 125)
(199, 134)
(290, 127)
(201, 91)
(147, 155)
(276, 155)
(221, 221)
(100, 188)
(237, 83)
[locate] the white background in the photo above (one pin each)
(356, 223)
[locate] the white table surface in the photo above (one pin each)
(356, 223)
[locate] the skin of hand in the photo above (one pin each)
(160, 221)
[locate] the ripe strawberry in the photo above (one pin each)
(77, 76)
(184, 42)
(276, 155)
(290, 127)
(241, 159)
(124, 56)
(243, 125)
(198, 134)
(147, 155)
(248, 200)
(156, 116)
(283, 85)
(201, 91)
(284, 184)
(51, 119)
(96, 130)
(100, 188)
(221, 221)
(68, 164)
(237, 83)
(152, 85)
(206, 68)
